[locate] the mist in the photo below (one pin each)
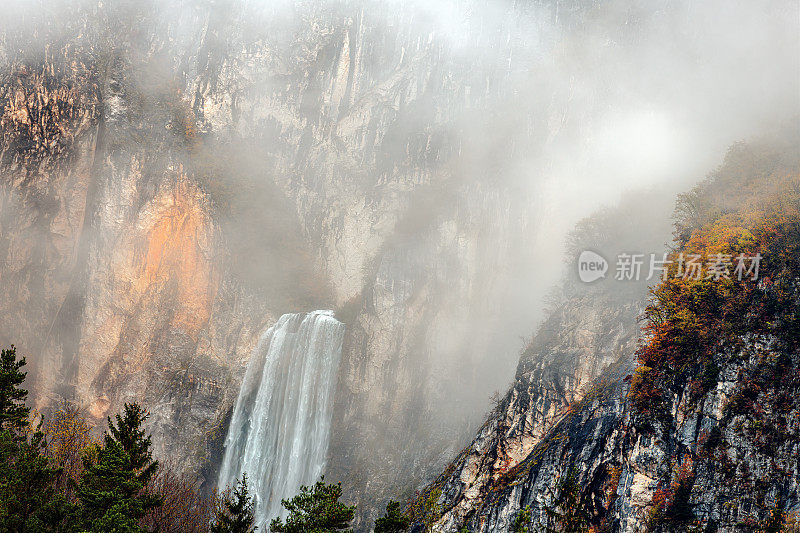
(414, 166)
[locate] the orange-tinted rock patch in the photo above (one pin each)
(175, 252)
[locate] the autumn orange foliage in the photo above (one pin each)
(68, 436)
(694, 326)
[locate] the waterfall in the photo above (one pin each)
(281, 422)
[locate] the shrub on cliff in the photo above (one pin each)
(568, 514)
(671, 502)
(521, 523)
(696, 324)
(710, 326)
(185, 507)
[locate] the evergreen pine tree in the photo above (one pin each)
(394, 521)
(13, 413)
(28, 499)
(112, 490)
(235, 514)
(316, 509)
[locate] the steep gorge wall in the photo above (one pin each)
(115, 266)
(587, 336)
(175, 178)
(154, 225)
(718, 455)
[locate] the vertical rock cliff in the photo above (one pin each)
(591, 330)
(648, 443)
(178, 175)
(175, 178)
(134, 298)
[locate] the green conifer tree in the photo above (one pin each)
(568, 514)
(13, 413)
(316, 509)
(28, 499)
(394, 521)
(112, 490)
(235, 514)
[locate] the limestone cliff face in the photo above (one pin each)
(738, 476)
(545, 420)
(114, 266)
(167, 193)
(739, 470)
(588, 438)
(590, 331)
(175, 177)
(416, 353)
(366, 122)
(719, 455)
(49, 122)
(362, 110)
(579, 342)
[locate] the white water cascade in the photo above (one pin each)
(281, 422)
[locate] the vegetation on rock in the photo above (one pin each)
(316, 509)
(235, 513)
(568, 514)
(727, 323)
(394, 521)
(54, 477)
(521, 523)
(425, 508)
(696, 324)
